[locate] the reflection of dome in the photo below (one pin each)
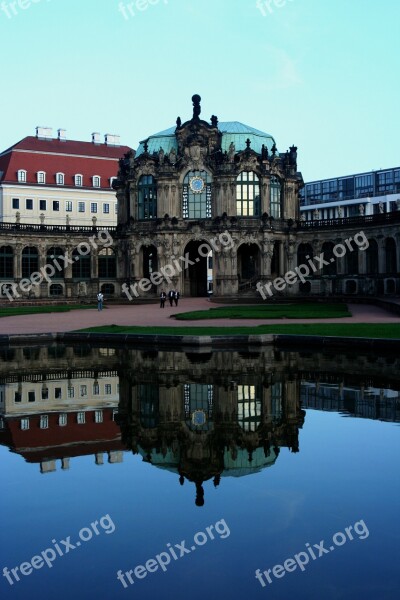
(232, 468)
(232, 131)
(242, 466)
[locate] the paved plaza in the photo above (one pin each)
(152, 315)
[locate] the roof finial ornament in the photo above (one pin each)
(248, 143)
(214, 121)
(178, 122)
(196, 99)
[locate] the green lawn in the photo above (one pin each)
(270, 311)
(368, 330)
(12, 311)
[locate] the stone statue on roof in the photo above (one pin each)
(231, 152)
(196, 106)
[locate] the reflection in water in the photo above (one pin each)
(203, 416)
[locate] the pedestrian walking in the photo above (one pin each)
(171, 295)
(100, 300)
(176, 297)
(163, 297)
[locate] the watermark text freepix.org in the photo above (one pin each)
(175, 552)
(59, 548)
(10, 9)
(301, 559)
(177, 265)
(267, 6)
(313, 265)
(130, 9)
(102, 238)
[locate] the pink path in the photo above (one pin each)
(151, 315)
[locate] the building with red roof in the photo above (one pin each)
(56, 181)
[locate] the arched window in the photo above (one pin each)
(56, 289)
(327, 250)
(304, 254)
(275, 198)
(79, 180)
(81, 265)
(196, 195)
(30, 261)
(41, 177)
(372, 258)
(6, 262)
(147, 197)
(247, 194)
(96, 181)
(107, 264)
(249, 407)
(60, 178)
(390, 255)
(21, 176)
(351, 262)
(55, 258)
(108, 289)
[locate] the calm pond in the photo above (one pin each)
(148, 474)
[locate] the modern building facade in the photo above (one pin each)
(371, 193)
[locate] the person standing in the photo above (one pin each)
(163, 297)
(100, 300)
(176, 297)
(171, 295)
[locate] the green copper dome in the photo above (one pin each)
(232, 131)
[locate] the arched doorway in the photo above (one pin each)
(195, 271)
(248, 264)
(149, 261)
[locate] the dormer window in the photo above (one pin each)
(41, 177)
(21, 176)
(96, 181)
(60, 178)
(111, 181)
(78, 180)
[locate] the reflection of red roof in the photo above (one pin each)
(54, 156)
(36, 444)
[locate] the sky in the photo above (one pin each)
(320, 74)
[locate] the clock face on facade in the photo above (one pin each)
(197, 184)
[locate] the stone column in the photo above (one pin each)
(381, 255)
(17, 261)
(265, 198)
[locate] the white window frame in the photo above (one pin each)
(68, 206)
(25, 424)
(41, 177)
(111, 181)
(78, 177)
(96, 181)
(93, 205)
(81, 418)
(60, 178)
(98, 416)
(44, 421)
(106, 212)
(81, 207)
(21, 175)
(62, 419)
